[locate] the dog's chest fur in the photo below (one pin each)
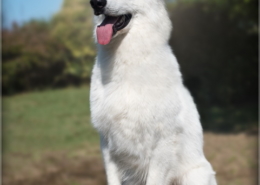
(132, 109)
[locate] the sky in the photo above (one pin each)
(21, 11)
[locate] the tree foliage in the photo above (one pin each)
(216, 44)
(73, 27)
(41, 55)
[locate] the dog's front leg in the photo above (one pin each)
(203, 175)
(110, 166)
(156, 175)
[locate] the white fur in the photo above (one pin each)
(149, 126)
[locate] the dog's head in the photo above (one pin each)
(114, 17)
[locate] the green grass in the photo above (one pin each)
(47, 121)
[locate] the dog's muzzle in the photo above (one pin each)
(98, 6)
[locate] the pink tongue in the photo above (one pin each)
(105, 30)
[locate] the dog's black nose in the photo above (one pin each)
(98, 6)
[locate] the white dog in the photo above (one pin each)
(148, 123)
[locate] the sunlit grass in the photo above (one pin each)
(49, 120)
(233, 157)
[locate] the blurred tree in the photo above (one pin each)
(72, 26)
(216, 43)
(31, 57)
(42, 55)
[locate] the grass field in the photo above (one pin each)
(48, 140)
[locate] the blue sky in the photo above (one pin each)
(22, 11)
